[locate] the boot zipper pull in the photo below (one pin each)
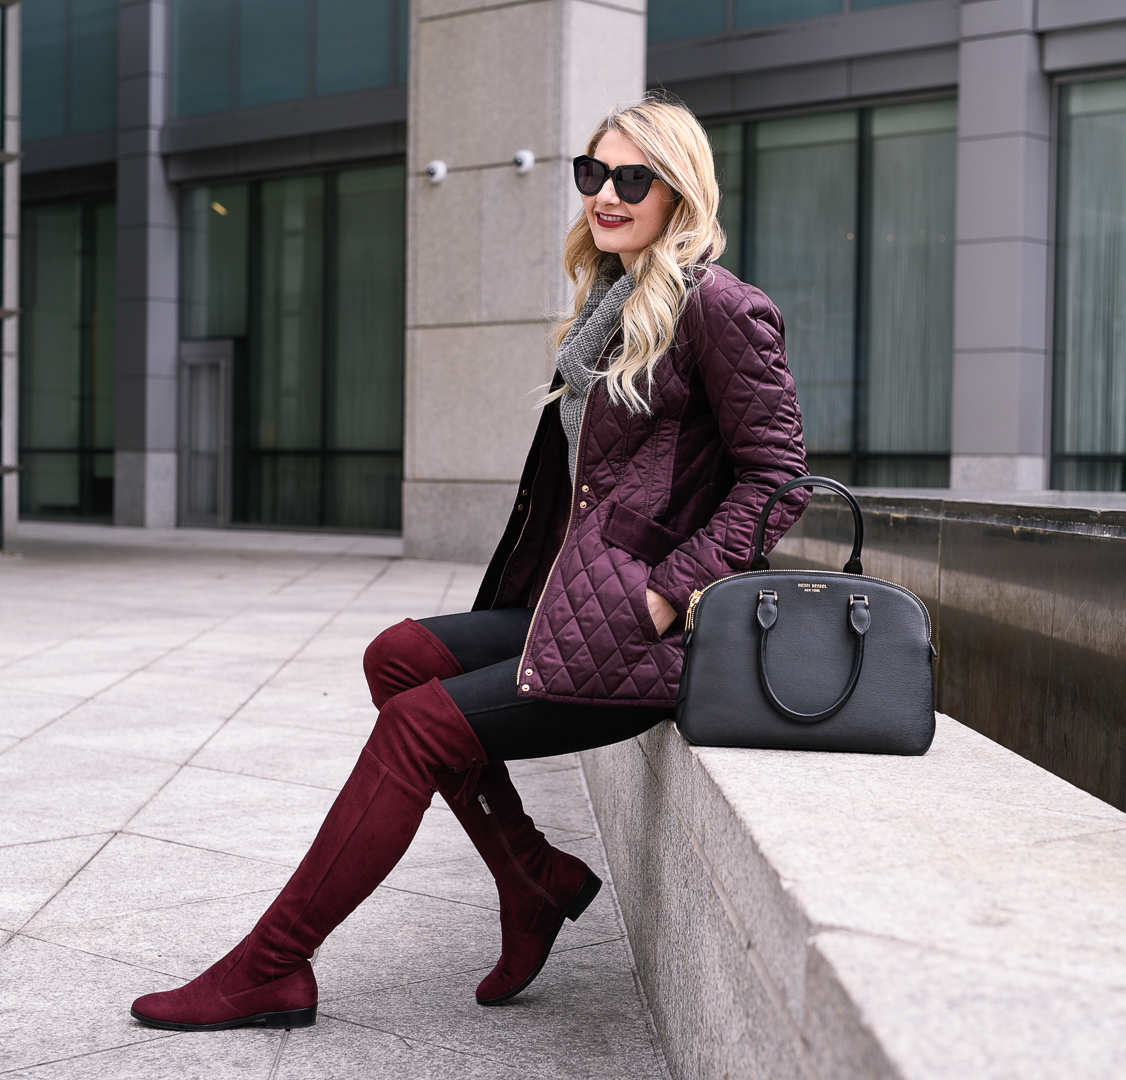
(484, 805)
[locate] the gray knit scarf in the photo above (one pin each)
(580, 350)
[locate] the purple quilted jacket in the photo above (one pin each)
(667, 501)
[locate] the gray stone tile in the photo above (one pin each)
(88, 787)
(324, 709)
(161, 732)
(177, 941)
(58, 1003)
(133, 873)
(30, 874)
(25, 711)
(282, 752)
(333, 1049)
(240, 815)
(584, 1000)
(167, 1055)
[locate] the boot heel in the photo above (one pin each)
(581, 900)
(294, 1018)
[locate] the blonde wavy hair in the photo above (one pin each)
(678, 150)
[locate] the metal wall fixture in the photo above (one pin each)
(436, 171)
(524, 161)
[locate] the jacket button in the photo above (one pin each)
(519, 506)
(582, 505)
(527, 671)
(525, 688)
(524, 493)
(586, 487)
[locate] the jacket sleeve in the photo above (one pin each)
(741, 360)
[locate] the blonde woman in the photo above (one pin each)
(671, 418)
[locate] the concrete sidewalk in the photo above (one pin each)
(175, 719)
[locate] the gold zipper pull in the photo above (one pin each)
(690, 616)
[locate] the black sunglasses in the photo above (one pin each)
(631, 182)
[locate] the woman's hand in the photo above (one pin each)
(661, 611)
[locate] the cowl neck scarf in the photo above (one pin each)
(578, 354)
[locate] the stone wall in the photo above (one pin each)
(838, 916)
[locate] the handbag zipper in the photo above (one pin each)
(697, 596)
(566, 537)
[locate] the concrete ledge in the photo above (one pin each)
(835, 916)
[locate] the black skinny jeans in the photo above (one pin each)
(488, 645)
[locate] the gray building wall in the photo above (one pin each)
(488, 78)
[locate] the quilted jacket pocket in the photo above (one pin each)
(639, 535)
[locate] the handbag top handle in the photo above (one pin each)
(854, 565)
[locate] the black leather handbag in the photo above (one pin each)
(808, 659)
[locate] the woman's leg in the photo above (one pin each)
(267, 978)
(539, 885)
(411, 653)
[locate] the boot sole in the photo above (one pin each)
(588, 890)
(294, 1018)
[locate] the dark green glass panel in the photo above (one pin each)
(801, 240)
(43, 50)
(273, 51)
(727, 147)
(213, 267)
(750, 13)
(862, 5)
(908, 362)
(1089, 370)
(288, 335)
(93, 65)
(672, 19)
(402, 34)
(353, 45)
(367, 411)
(67, 361)
(201, 57)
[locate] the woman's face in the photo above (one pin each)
(621, 227)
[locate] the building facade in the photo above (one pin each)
(244, 302)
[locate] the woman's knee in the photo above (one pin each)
(404, 656)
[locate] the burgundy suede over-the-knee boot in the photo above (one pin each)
(267, 978)
(538, 885)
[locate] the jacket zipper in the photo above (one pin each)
(566, 537)
(697, 596)
(515, 861)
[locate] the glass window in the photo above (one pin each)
(671, 19)
(69, 65)
(67, 364)
(762, 12)
(286, 50)
(848, 226)
(93, 64)
(800, 247)
(43, 48)
(908, 362)
(1089, 372)
(317, 320)
(201, 56)
(862, 5)
(350, 45)
(213, 239)
(273, 39)
(727, 147)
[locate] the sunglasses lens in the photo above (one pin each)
(590, 175)
(633, 183)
